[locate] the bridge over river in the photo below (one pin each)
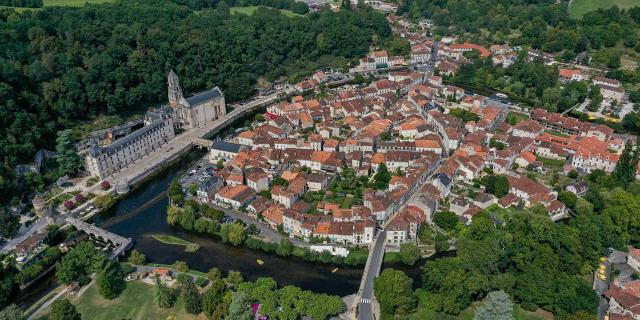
(122, 244)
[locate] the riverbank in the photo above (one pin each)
(213, 252)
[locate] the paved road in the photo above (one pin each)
(23, 234)
(600, 287)
(376, 254)
(265, 231)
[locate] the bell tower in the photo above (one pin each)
(175, 92)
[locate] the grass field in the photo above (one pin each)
(251, 9)
(579, 7)
(171, 240)
(135, 302)
(514, 118)
(63, 3)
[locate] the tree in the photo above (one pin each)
(110, 280)
(409, 253)
(496, 185)
(583, 206)
(499, 307)
(285, 248)
(136, 257)
(393, 290)
(62, 309)
(68, 157)
(191, 297)
(627, 165)
(381, 178)
(12, 312)
(81, 261)
(175, 192)
(240, 307)
(214, 274)
(568, 198)
(181, 266)
(163, 295)
(232, 233)
(104, 201)
(234, 278)
(445, 219)
(9, 224)
(213, 297)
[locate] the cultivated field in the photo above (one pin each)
(578, 8)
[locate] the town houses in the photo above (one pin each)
(396, 150)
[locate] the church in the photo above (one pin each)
(195, 111)
(107, 151)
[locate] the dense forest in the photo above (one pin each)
(541, 24)
(64, 66)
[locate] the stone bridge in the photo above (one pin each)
(122, 244)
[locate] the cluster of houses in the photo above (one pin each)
(610, 89)
(623, 296)
(404, 121)
(302, 145)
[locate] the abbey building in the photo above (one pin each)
(107, 151)
(198, 110)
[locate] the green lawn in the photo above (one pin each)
(135, 302)
(251, 9)
(171, 240)
(514, 118)
(62, 3)
(552, 163)
(556, 133)
(579, 7)
(347, 202)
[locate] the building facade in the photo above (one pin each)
(123, 145)
(195, 111)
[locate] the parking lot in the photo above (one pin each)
(198, 173)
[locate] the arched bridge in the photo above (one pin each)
(122, 244)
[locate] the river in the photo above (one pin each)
(142, 213)
(128, 221)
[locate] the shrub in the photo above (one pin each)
(68, 204)
(80, 198)
(202, 282)
(105, 185)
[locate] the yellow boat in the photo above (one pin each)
(603, 259)
(603, 278)
(334, 270)
(260, 262)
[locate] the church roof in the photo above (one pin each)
(204, 97)
(226, 146)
